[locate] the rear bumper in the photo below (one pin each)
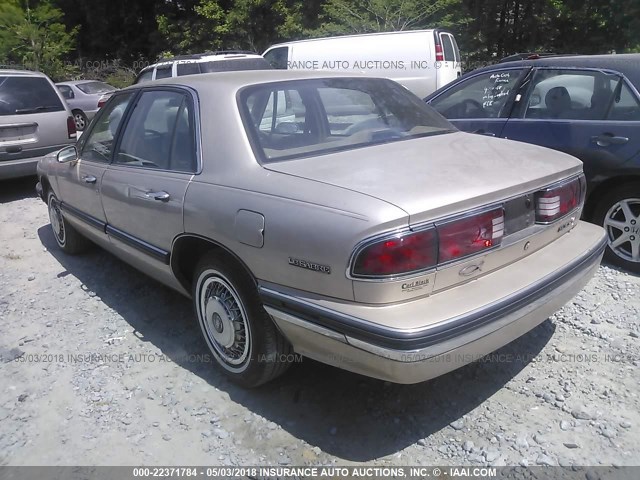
(25, 167)
(345, 338)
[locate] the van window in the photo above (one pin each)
(456, 50)
(24, 95)
(187, 68)
(447, 46)
(323, 116)
(278, 57)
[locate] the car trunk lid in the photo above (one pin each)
(433, 177)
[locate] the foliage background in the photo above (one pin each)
(114, 39)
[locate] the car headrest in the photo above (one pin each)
(558, 99)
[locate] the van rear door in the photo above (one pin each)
(447, 58)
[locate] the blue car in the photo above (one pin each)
(587, 106)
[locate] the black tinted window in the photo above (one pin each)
(163, 72)
(159, 133)
(278, 57)
(190, 68)
(231, 65)
(447, 46)
(24, 95)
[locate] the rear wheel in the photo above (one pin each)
(238, 331)
(619, 213)
(80, 120)
(67, 237)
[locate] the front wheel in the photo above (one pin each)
(239, 333)
(619, 213)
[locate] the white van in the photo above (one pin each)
(421, 60)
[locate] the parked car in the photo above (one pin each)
(587, 106)
(83, 96)
(379, 240)
(421, 60)
(34, 120)
(208, 62)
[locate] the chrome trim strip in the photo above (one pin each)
(306, 325)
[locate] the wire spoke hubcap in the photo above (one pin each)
(57, 223)
(224, 321)
(622, 223)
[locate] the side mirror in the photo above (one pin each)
(67, 154)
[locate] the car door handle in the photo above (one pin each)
(483, 132)
(605, 140)
(89, 179)
(160, 196)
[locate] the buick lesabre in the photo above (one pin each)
(337, 217)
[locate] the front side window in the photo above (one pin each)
(98, 145)
(159, 133)
(306, 118)
(483, 96)
(23, 95)
(278, 57)
(569, 94)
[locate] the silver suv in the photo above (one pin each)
(34, 121)
(209, 62)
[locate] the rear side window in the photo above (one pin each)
(160, 133)
(66, 91)
(625, 105)
(482, 96)
(24, 95)
(188, 68)
(93, 88)
(278, 57)
(570, 94)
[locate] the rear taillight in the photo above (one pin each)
(470, 235)
(439, 54)
(71, 127)
(400, 254)
(558, 200)
(418, 251)
(101, 102)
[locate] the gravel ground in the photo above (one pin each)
(110, 369)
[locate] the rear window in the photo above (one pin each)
(447, 46)
(236, 64)
(91, 88)
(145, 76)
(304, 118)
(23, 95)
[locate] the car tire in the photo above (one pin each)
(618, 212)
(67, 237)
(80, 120)
(240, 334)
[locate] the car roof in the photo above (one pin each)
(78, 82)
(205, 57)
(236, 80)
(24, 73)
(627, 64)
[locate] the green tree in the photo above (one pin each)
(363, 16)
(35, 37)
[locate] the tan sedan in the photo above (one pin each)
(337, 217)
